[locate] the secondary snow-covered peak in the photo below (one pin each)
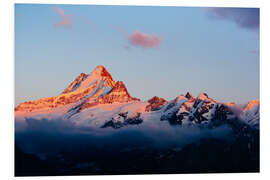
(251, 113)
(120, 84)
(203, 96)
(253, 104)
(118, 93)
(189, 95)
(155, 103)
(156, 99)
(120, 90)
(179, 98)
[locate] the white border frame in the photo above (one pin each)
(7, 82)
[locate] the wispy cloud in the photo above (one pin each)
(66, 20)
(248, 18)
(144, 40)
(153, 134)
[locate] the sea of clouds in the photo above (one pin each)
(53, 135)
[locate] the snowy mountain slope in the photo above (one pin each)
(75, 84)
(97, 101)
(251, 113)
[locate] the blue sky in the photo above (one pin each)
(212, 50)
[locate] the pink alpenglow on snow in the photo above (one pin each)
(66, 20)
(144, 40)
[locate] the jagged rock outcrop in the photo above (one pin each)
(189, 96)
(202, 110)
(123, 119)
(155, 103)
(119, 94)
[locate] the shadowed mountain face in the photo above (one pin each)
(96, 127)
(209, 155)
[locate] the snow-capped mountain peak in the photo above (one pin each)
(252, 104)
(84, 81)
(251, 113)
(98, 86)
(98, 74)
(203, 96)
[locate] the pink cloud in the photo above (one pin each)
(144, 40)
(66, 20)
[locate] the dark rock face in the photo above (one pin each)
(155, 103)
(123, 120)
(222, 113)
(205, 107)
(189, 96)
(111, 123)
(173, 119)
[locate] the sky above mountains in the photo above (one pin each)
(155, 51)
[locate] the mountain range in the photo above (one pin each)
(95, 100)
